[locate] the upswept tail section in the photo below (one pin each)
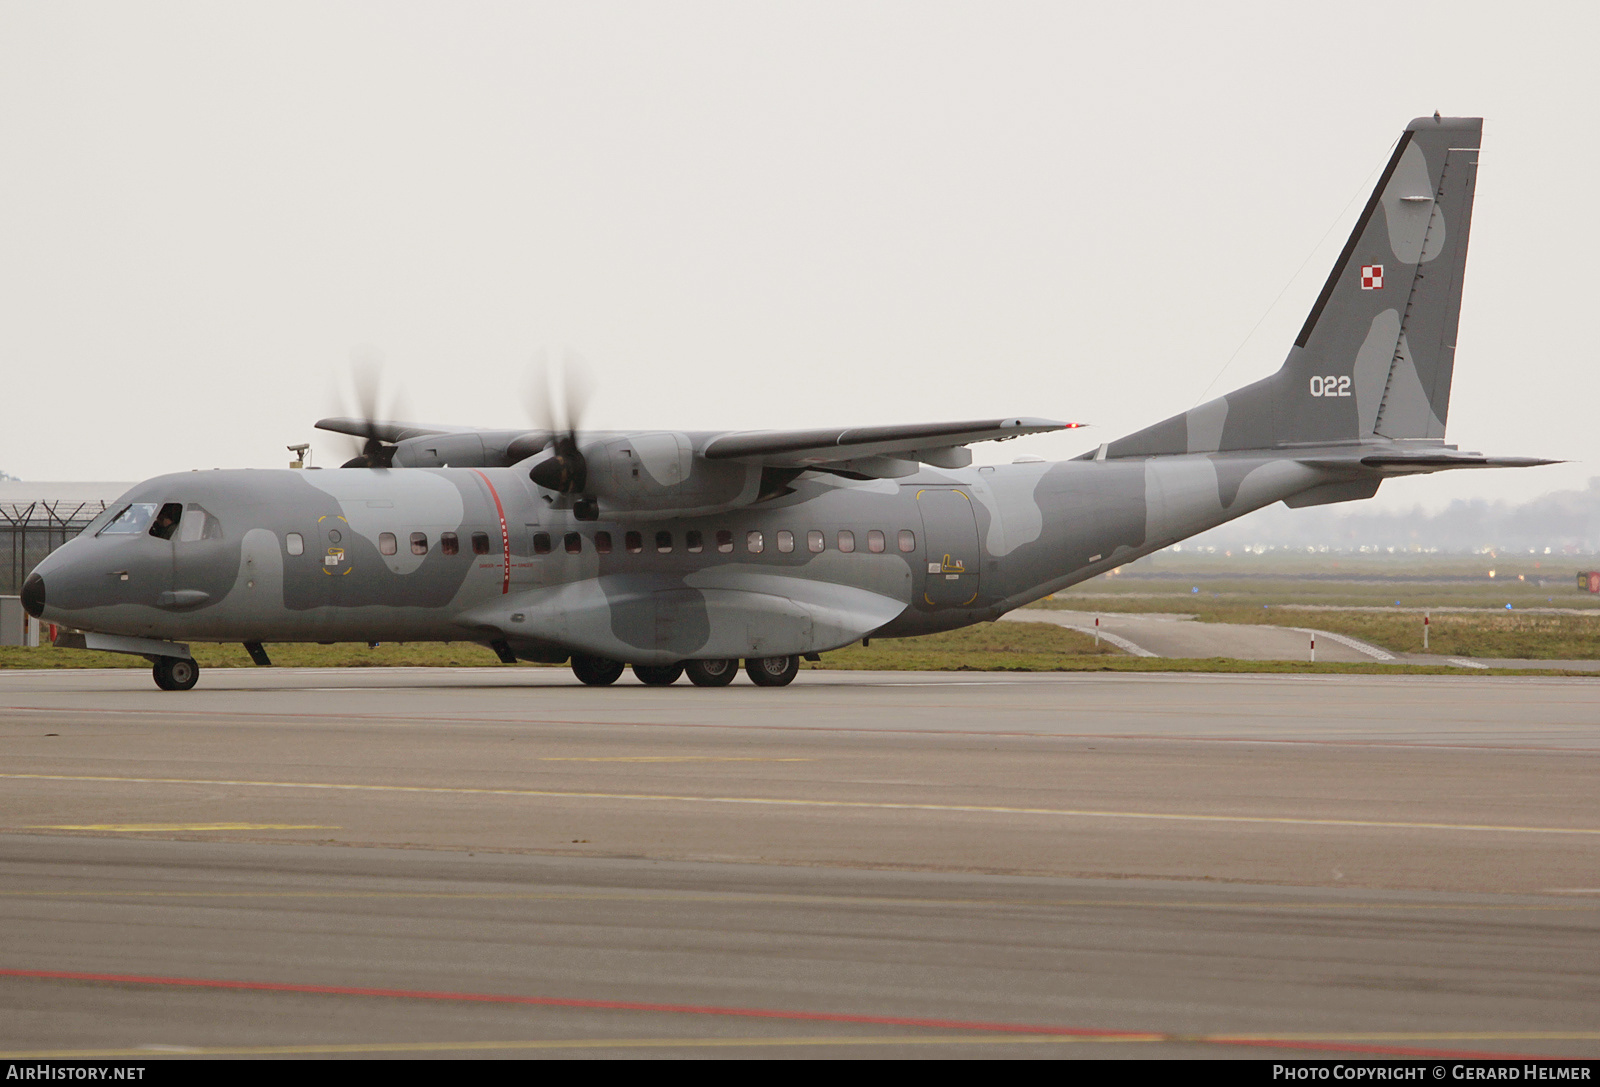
(1375, 357)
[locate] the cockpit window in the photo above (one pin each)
(133, 519)
(166, 522)
(197, 524)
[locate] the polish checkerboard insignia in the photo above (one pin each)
(1372, 277)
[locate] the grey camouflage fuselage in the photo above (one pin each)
(301, 555)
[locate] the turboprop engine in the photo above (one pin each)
(644, 476)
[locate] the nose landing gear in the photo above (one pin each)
(175, 673)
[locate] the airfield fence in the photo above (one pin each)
(31, 530)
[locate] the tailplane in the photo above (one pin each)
(1375, 356)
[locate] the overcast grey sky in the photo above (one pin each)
(756, 214)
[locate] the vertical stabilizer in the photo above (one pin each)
(1375, 356)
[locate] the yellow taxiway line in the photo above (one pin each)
(794, 802)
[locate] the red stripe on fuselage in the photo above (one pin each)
(505, 533)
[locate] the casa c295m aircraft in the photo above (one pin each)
(672, 551)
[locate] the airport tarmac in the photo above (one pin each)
(478, 861)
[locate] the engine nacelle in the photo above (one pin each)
(467, 449)
(653, 476)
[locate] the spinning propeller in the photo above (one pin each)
(557, 397)
(366, 381)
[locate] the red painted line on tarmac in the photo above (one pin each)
(565, 1002)
(758, 1013)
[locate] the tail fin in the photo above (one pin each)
(1375, 356)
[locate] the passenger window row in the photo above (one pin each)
(633, 542)
(694, 542)
(388, 544)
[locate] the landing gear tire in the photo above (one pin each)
(772, 671)
(596, 671)
(658, 675)
(717, 673)
(175, 673)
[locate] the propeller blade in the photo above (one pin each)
(367, 394)
(558, 396)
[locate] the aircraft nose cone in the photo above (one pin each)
(33, 595)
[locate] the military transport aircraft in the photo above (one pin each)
(680, 552)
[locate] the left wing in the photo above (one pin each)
(656, 474)
(933, 443)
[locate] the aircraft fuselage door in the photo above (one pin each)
(951, 558)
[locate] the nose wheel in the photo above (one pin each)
(175, 673)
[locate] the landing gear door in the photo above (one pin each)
(951, 558)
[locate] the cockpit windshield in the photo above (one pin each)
(132, 519)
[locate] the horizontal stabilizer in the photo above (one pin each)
(1397, 463)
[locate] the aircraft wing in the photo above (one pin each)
(881, 452)
(812, 448)
(386, 431)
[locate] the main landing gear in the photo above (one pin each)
(715, 673)
(763, 671)
(596, 671)
(658, 675)
(175, 673)
(772, 671)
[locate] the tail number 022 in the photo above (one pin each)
(1330, 386)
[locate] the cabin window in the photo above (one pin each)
(602, 542)
(875, 541)
(725, 541)
(664, 542)
(634, 542)
(480, 543)
(754, 542)
(815, 541)
(908, 540)
(294, 543)
(166, 522)
(132, 519)
(847, 540)
(785, 540)
(693, 541)
(386, 543)
(419, 543)
(541, 543)
(448, 543)
(573, 543)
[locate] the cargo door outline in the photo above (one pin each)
(949, 547)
